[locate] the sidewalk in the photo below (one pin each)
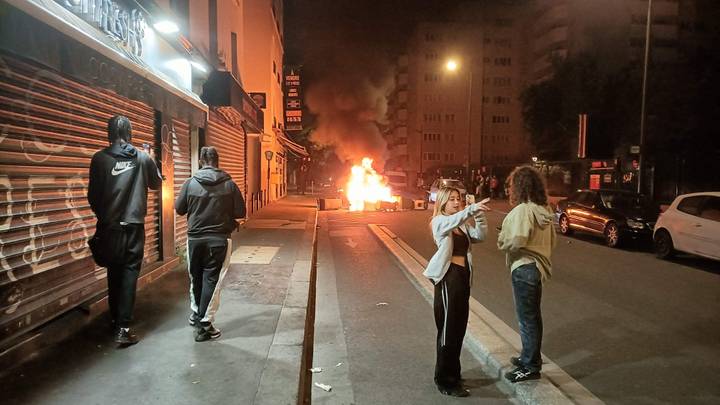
(257, 359)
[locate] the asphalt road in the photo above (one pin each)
(631, 328)
(388, 327)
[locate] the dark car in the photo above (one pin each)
(616, 215)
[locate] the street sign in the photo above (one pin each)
(635, 149)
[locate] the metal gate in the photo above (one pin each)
(51, 127)
(183, 170)
(230, 143)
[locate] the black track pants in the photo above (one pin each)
(122, 276)
(208, 261)
(452, 308)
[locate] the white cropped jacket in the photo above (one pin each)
(442, 227)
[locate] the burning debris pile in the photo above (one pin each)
(366, 188)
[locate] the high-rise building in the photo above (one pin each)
(444, 119)
(613, 30)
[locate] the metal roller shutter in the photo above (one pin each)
(51, 126)
(230, 143)
(183, 170)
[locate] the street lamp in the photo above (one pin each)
(451, 66)
(268, 156)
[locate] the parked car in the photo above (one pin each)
(440, 183)
(691, 224)
(615, 214)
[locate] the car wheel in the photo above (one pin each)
(565, 225)
(663, 244)
(612, 235)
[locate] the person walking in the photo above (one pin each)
(120, 176)
(527, 237)
(212, 202)
(493, 186)
(450, 270)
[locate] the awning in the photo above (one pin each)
(222, 92)
(292, 147)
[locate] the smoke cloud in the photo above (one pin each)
(351, 105)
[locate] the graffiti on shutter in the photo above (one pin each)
(50, 126)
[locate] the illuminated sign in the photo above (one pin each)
(125, 26)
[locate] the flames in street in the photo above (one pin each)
(366, 187)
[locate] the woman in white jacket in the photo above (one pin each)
(450, 271)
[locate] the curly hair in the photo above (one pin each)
(527, 185)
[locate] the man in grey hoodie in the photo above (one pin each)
(212, 202)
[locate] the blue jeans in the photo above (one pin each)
(527, 292)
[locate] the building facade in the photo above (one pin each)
(443, 121)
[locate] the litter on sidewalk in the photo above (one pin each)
(382, 304)
(316, 370)
(324, 387)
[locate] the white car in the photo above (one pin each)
(691, 224)
(441, 183)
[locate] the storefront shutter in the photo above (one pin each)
(230, 143)
(183, 171)
(51, 127)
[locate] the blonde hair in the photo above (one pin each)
(443, 196)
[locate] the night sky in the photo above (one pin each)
(347, 49)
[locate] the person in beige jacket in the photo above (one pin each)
(527, 237)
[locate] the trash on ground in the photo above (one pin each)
(192, 364)
(316, 370)
(338, 365)
(382, 304)
(324, 387)
(195, 382)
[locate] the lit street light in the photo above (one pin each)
(451, 66)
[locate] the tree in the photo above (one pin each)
(577, 86)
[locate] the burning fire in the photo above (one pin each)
(366, 186)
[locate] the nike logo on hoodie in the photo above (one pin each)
(122, 167)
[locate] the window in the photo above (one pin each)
(711, 209)
(234, 55)
(502, 81)
(274, 67)
(691, 205)
(503, 61)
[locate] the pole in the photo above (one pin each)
(469, 112)
(641, 159)
(268, 180)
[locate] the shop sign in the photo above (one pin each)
(126, 26)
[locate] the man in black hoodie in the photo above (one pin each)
(117, 192)
(212, 202)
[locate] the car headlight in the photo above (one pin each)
(635, 224)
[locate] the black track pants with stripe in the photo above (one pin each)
(452, 308)
(208, 262)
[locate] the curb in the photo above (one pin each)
(490, 339)
(293, 338)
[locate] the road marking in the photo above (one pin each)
(489, 338)
(351, 243)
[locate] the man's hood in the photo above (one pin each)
(123, 151)
(543, 215)
(211, 176)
